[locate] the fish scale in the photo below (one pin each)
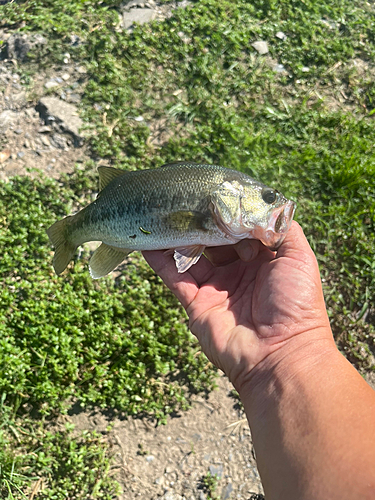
(180, 206)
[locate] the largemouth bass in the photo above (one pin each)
(182, 206)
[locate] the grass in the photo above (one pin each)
(55, 463)
(307, 130)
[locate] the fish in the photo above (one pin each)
(180, 207)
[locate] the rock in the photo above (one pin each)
(45, 140)
(65, 115)
(261, 47)
(21, 154)
(75, 98)
(44, 129)
(18, 131)
(18, 46)
(81, 70)
(279, 68)
(150, 458)
(65, 76)
(19, 98)
(7, 119)
(305, 69)
(139, 16)
(281, 35)
(227, 491)
(51, 84)
(30, 112)
(59, 141)
(4, 155)
(133, 4)
(216, 470)
(171, 496)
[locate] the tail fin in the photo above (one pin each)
(64, 250)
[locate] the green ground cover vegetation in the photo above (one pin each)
(122, 343)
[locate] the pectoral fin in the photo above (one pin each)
(187, 257)
(105, 259)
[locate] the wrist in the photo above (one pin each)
(311, 416)
(299, 356)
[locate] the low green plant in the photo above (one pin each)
(37, 460)
(120, 343)
(209, 485)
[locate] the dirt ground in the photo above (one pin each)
(170, 461)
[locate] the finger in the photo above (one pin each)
(183, 285)
(247, 250)
(220, 256)
(297, 250)
(201, 270)
(296, 246)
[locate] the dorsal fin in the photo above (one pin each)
(107, 174)
(179, 163)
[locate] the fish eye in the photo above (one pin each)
(269, 195)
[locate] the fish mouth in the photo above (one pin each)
(285, 217)
(279, 224)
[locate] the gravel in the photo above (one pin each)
(261, 47)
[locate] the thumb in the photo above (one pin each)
(295, 245)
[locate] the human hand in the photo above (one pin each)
(244, 310)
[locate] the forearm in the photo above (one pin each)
(312, 418)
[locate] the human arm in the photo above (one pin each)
(264, 323)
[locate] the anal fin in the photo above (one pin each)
(186, 257)
(105, 259)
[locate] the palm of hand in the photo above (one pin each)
(241, 312)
